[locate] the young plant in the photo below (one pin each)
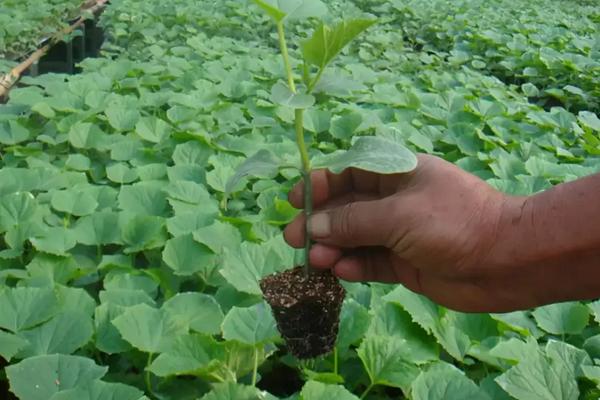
(307, 304)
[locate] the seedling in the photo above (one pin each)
(306, 304)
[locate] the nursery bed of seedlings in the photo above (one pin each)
(131, 265)
(24, 24)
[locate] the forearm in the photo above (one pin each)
(555, 235)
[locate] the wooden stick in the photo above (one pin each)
(10, 79)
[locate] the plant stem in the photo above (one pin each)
(286, 57)
(255, 370)
(299, 127)
(312, 85)
(335, 360)
(147, 374)
(367, 390)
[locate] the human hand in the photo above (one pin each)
(433, 230)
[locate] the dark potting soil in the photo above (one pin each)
(306, 308)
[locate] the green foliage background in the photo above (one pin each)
(123, 278)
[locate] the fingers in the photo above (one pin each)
(327, 185)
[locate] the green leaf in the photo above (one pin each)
(153, 129)
(384, 365)
(12, 133)
(292, 9)
(121, 173)
(261, 165)
(243, 267)
(16, 208)
(319, 391)
(84, 135)
(146, 198)
(218, 236)
(186, 256)
(74, 202)
(538, 377)
(444, 381)
(372, 154)
(562, 318)
(236, 391)
(146, 328)
(63, 334)
(108, 338)
(200, 312)
(144, 233)
(38, 378)
(23, 307)
(281, 94)
(253, 325)
(98, 390)
(195, 355)
(99, 228)
(590, 120)
(10, 345)
(121, 117)
(327, 42)
(354, 322)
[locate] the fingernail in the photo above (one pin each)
(320, 225)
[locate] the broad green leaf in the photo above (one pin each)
(343, 127)
(121, 173)
(22, 308)
(391, 320)
(74, 202)
(186, 256)
(63, 334)
(200, 312)
(99, 228)
(562, 318)
(38, 378)
(143, 233)
(381, 357)
(313, 390)
(192, 153)
(189, 192)
(442, 381)
(189, 222)
(327, 42)
(281, 94)
(590, 120)
(146, 328)
(292, 9)
(236, 391)
(10, 345)
(354, 322)
(194, 354)
(146, 198)
(153, 129)
(218, 236)
(372, 154)
(78, 162)
(16, 208)
(98, 390)
(568, 355)
(253, 325)
(108, 338)
(243, 267)
(85, 135)
(539, 378)
(121, 117)
(261, 165)
(12, 132)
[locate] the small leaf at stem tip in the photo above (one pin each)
(281, 94)
(280, 10)
(327, 42)
(371, 153)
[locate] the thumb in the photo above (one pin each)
(355, 224)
